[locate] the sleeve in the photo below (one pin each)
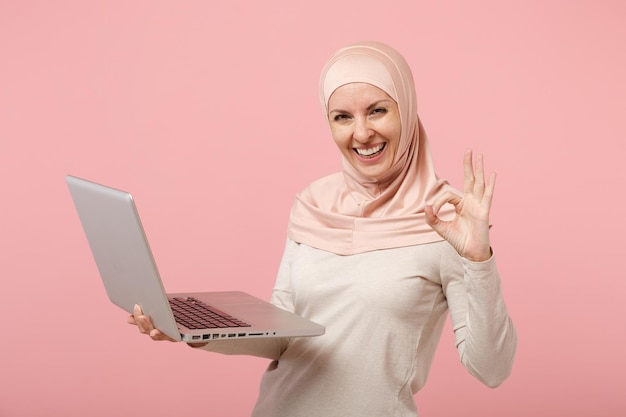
(484, 333)
(270, 348)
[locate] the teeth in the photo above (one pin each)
(370, 151)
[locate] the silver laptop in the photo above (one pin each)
(130, 276)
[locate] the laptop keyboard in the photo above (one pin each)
(195, 314)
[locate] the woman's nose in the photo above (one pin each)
(362, 131)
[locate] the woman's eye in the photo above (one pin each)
(340, 117)
(379, 110)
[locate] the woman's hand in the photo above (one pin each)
(468, 232)
(145, 326)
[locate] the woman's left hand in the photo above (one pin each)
(468, 232)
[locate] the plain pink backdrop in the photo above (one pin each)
(208, 113)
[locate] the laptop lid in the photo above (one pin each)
(120, 249)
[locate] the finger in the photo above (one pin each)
(489, 190)
(156, 334)
(432, 220)
(143, 323)
(479, 175)
(468, 172)
(435, 222)
(447, 197)
(131, 320)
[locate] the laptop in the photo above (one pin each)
(128, 270)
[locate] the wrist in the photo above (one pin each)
(480, 257)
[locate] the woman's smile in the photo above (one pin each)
(371, 154)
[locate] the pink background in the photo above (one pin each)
(208, 113)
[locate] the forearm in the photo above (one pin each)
(487, 342)
(270, 348)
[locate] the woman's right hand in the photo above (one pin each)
(145, 326)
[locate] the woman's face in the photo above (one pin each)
(365, 124)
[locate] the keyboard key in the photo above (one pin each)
(194, 314)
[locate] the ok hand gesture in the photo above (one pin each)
(468, 232)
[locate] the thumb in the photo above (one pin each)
(431, 218)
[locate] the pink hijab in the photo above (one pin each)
(346, 213)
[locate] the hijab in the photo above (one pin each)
(346, 213)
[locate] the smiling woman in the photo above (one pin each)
(374, 247)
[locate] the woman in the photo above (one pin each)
(378, 254)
